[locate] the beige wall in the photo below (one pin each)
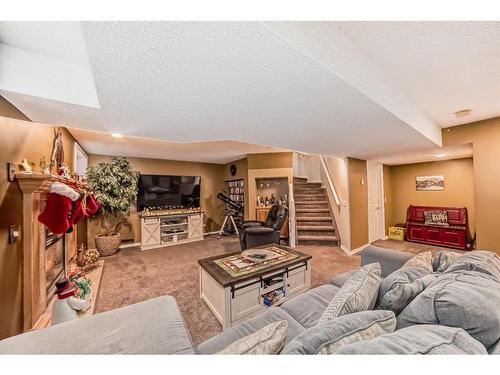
(485, 139)
(338, 169)
(212, 180)
(458, 192)
(358, 202)
(270, 160)
(20, 139)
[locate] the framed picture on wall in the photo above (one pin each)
(430, 183)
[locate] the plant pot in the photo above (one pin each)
(107, 245)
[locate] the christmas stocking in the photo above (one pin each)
(58, 208)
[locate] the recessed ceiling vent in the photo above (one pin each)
(463, 112)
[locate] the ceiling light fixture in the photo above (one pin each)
(440, 155)
(463, 112)
(117, 135)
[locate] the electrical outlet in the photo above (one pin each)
(13, 233)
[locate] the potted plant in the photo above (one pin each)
(115, 187)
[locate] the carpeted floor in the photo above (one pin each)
(133, 276)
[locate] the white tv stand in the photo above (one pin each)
(171, 227)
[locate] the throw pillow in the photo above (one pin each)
(485, 262)
(357, 294)
(436, 218)
(267, 340)
(423, 260)
(399, 288)
(341, 331)
(443, 259)
(421, 339)
(462, 299)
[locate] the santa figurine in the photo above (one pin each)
(67, 306)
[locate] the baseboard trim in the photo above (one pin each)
(128, 245)
(355, 251)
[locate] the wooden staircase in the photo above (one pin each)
(315, 224)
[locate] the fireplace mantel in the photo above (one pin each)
(34, 187)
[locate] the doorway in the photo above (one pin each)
(376, 219)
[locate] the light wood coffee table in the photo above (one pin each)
(235, 296)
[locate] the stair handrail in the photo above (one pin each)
(292, 227)
(330, 181)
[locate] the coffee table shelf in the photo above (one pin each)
(236, 299)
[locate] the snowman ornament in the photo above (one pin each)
(67, 306)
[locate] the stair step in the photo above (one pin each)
(300, 179)
(315, 214)
(302, 203)
(317, 238)
(319, 228)
(309, 184)
(298, 197)
(314, 220)
(312, 210)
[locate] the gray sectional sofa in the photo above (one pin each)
(157, 327)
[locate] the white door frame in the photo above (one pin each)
(381, 192)
(76, 151)
(379, 170)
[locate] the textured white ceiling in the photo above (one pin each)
(443, 66)
(258, 83)
(219, 152)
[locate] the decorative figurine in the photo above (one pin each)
(67, 306)
(57, 158)
(64, 171)
(26, 166)
(44, 167)
(86, 259)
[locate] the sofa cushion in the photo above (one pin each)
(230, 335)
(151, 327)
(267, 340)
(485, 262)
(342, 278)
(466, 299)
(443, 259)
(422, 260)
(399, 288)
(357, 294)
(308, 307)
(495, 348)
(422, 339)
(390, 260)
(344, 330)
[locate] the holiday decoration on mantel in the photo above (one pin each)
(86, 259)
(68, 202)
(67, 305)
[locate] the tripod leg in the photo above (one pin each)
(234, 225)
(222, 227)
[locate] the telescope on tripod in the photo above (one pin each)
(232, 209)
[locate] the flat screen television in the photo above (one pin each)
(168, 191)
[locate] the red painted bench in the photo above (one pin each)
(454, 235)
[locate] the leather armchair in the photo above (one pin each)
(256, 233)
